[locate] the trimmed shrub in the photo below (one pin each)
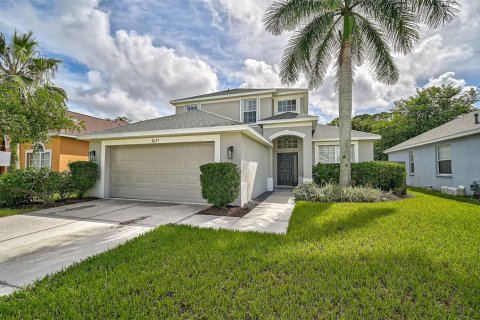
(15, 187)
(220, 183)
(331, 192)
(83, 176)
(384, 175)
(32, 184)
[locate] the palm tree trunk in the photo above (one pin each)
(345, 113)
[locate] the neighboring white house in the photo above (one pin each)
(448, 155)
(266, 132)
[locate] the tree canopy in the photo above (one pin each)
(31, 105)
(428, 108)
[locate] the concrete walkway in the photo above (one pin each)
(271, 216)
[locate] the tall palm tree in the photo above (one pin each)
(21, 63)
(351, 32)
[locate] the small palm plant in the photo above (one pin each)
(350, 32)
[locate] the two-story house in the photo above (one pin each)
(268, 133)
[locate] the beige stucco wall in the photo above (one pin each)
(179, 109)
(365, 150)
(254, 168)
(266, 108)
(229, 109)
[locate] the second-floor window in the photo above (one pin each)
(287, 105)
(249, 107)
(191, 107)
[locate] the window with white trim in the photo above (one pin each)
(444, 160)
(191, 107)
(411, 161)
(249, 107)
(287, 142)
(331, 154)
(287, 105)
(39, 158)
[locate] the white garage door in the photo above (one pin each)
(164, 172)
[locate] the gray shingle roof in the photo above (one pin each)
(191, 119)
(324, 132)
(289, 115)
(462, 126)
(236, 91)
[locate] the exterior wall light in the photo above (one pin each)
(230, 152)
(91, 156)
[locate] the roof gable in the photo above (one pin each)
(462, 126)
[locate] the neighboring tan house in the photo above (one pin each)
(448, 155)
(266, 132)
(64, 147)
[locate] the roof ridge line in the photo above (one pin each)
(220, 116)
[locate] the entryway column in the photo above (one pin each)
(270, 170)
(307, 160)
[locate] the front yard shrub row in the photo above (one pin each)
(44, 185)
(220, 183)
(331, 192)
(384, 175)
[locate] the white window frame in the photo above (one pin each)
(282, 138)
(296, 97)
(187, 106)
(27, 152)
(242, 109)
(285, 100)
(335, 143)
(411, 160)
(437, 160)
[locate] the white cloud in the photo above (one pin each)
(128, 74)
(446, 79)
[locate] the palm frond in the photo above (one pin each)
(296, 58)
(288, 15)
(400, 26)
(434, 13)
(378, 51)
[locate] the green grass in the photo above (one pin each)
(5, 212)
(415, 258)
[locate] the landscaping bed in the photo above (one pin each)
(410, 259)
(235, 211)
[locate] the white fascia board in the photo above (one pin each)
(255, 93)
(291, 92)
(66, 135)
(313, 118)
(376, 137)
(188, 131)
(453, 136)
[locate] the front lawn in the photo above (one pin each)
(414, 258)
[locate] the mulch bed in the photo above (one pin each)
(235, 211)
(39, 205)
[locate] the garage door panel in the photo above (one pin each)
(166, 172)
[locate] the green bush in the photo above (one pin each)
(220, 183)
(27, 185)
(83, 176)
(384, 175)
(331, 192)
(15, 187)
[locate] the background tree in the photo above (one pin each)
(350, 32)
(30, 104)
(427, 109)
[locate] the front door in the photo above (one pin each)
(287, 169)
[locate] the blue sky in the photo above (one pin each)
(131, 57)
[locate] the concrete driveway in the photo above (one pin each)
(36, 244)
